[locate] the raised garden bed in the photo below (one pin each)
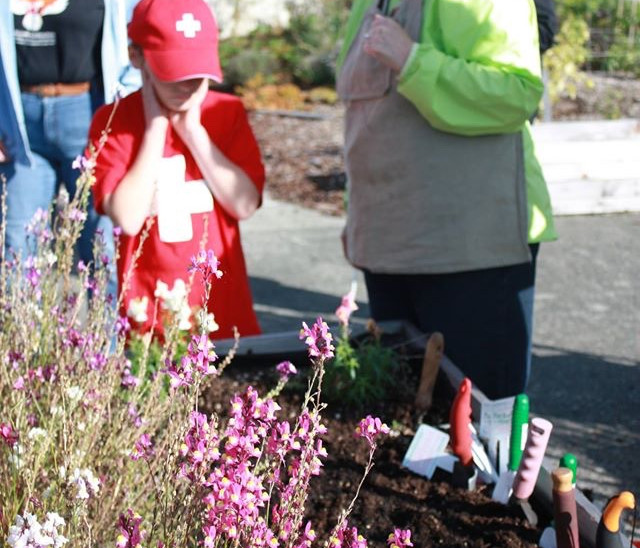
(437, 513)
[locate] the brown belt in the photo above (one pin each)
(56, 90)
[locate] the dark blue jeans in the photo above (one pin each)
(58, 129)
(486, 317)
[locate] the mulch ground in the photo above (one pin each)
(302, 153)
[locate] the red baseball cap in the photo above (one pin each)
(179, 39)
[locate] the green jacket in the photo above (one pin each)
(477, 75)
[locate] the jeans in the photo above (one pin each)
(486, 317)
(57, 128)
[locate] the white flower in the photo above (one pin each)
(28, 533)
(85, 482)
(162, 290)
(137, 310)
(15, 456)
(207, 321)
(183, 315)
(37, 434)
(74, 393)
(172, 299)
(51, 258)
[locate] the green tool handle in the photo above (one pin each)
(519, 421)
(570, 461)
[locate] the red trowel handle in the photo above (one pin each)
(534, 449)
(460, 421)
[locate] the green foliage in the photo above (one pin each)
(304, 53)
(624, 55)
(613, 24)
(565, 59)
(362, 372)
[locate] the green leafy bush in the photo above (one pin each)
(304, 53)
(564, 61)
(363, 371)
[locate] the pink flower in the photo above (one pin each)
(347, 537)
(347, 306)
(179, 374)
(8, 434)
(207, 264)
(202, 355)
(143, 448)
(369, 429)
(82, 163)
(400, 539)
(129, 533)
(318, 339)
(286, 369)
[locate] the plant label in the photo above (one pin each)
(495, 430)
(428, 451)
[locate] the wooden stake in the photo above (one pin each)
(433, 353)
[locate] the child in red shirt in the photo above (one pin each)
(185, 155)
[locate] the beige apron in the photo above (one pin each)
(421, 200)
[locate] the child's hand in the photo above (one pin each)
(188, 121)
(153, 110)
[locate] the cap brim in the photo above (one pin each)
(176, 66)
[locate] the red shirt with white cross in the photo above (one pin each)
(185, 208)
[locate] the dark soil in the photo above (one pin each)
(392, 496)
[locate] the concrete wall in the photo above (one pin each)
(239, 17)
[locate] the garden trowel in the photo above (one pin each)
(519, 421)
(464, 471)
(608, 532)
(527, 474)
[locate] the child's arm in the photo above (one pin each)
(229, 184)
(131, 202)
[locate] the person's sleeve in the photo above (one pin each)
(241, 147)
(113, 151)
(477, 70)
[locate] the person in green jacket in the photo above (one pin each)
(447, 202)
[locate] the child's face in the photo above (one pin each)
(179, 96)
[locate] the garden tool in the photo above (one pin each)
(608, 532)
(548, 537)
(519, 422)
(464, 472)
(569, 460)
(527, 474)
(565, 513)
(430, 366)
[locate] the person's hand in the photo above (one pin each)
(4, 155)
(154, 112)
(388, 42)
(188, 121)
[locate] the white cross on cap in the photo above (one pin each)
(188, 25)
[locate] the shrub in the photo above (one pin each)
(363, 371)
(564, 61)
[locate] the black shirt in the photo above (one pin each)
(58, 42)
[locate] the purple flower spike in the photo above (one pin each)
(318, 339)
